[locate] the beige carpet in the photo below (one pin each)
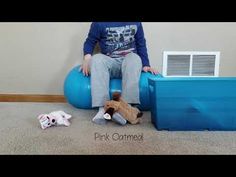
(20, 133)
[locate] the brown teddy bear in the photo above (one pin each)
(117, 104)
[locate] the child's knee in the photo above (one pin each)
(97, 60)
(133, 60)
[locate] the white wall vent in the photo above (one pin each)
(191, 64)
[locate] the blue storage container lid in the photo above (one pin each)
(193, 78)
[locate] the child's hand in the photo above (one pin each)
(85, 66)
(149, 69)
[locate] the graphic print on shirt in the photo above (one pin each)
(119, 40)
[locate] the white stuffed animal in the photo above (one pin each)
(54, 118)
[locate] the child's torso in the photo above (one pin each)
(118, 38)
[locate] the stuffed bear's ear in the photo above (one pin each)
(116, 96)
(40, 116)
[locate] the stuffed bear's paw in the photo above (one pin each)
(66, 123)
(107, 116)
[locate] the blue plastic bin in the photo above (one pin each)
(193, 103)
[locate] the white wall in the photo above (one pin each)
(35, 57)
(193, 36)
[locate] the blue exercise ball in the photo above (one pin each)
(77, 89)
(144, 90)
(115, 86)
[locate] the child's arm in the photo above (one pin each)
(141, 46)
(142, 50)
(92, 39)
(89, 45)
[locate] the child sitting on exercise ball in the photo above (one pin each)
(123, 55)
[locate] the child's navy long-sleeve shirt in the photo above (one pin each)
(116, 39)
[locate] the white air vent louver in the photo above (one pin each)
(191, 64)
